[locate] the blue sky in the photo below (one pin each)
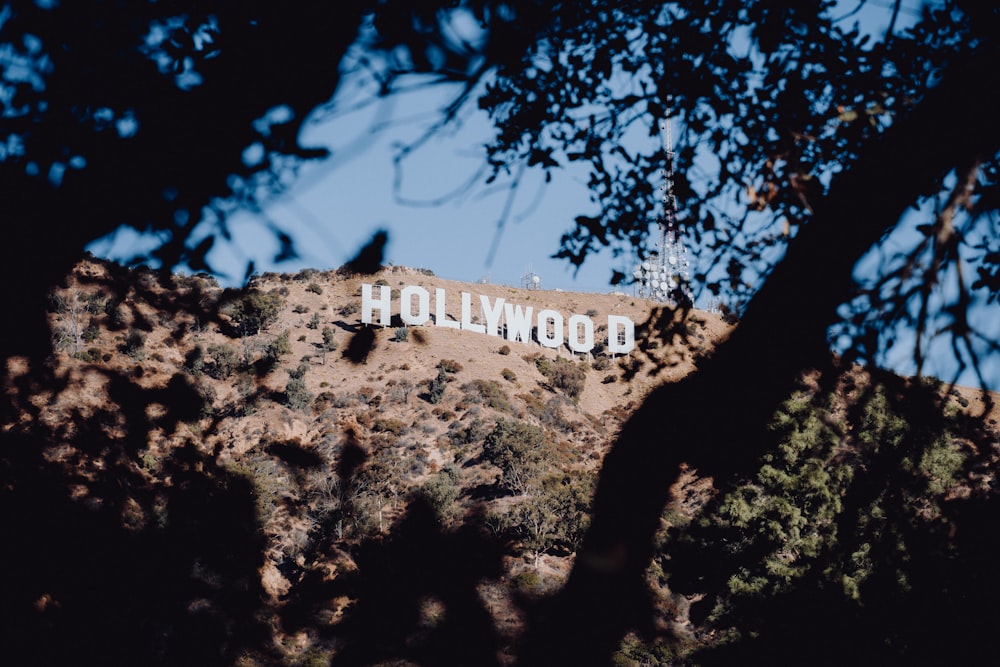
(434, 220)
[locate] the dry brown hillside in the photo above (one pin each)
(299, 485)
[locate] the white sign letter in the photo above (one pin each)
(556, 339)
(406, 305)
(621, 334)
(383, 303)
(467, 315)
(573, 335)
(492, 315)
(440, 316)
(518, 322)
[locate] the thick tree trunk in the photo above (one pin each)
(714, 420)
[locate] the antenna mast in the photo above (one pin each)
(665, 276)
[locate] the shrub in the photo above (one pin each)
(254, 310)
(299, 309)
(562, 374)
(466, 434)
(329, 344)
(58, 303)
(435, 388)
(441, 491)
(314, 288)
(349, 309)
(601, 363)
(135, 344)
(401, 334)
(92, 332)
(520, 450)
(449, 366)
(489, 392)
(93, 355)
(280, 346)
(117, 316)
(527, 581)
(399, 392)
(504, 350)
(194, 361)
(508, 375)
(206, 393)
(369, 396)
(276, 349)
(225, 361)
(314, 322)
(387, 425)
(297, 396)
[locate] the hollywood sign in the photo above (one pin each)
(501, 319)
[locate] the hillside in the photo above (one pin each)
(260, 475)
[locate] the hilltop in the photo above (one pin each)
(301, 484)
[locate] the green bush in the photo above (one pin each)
(253, 310)
(460, 433)
(441, 491)
(489, 392)
(401, 335)
(93, 355)
(280, 346)
(562, 374)
(314, 288)
(92, 332)
(435, 388)
(329, 344)
(521, 452)
(194, 361)
(225, 361)
(314, 322)
(527, 581)
(297, 396)
(135, 344)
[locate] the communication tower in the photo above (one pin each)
(666, 274)
(530, 279)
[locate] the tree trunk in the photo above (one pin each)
(714, 420)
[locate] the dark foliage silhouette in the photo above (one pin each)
(163, 114)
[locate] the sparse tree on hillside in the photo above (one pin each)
(329, 343)
(521, 452)
(253, 311)
(297, 396)
(435, 388)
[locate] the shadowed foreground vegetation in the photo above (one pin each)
(178, 499)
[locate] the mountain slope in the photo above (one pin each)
(300, 485)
